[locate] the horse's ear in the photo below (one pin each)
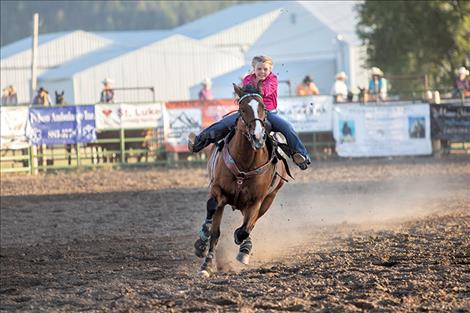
(56, 93)
(63, 92)
(238, 90)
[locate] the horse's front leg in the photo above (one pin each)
(205, 232)
(208, 266)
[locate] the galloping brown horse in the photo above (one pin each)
(245, 174)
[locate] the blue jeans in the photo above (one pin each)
(220, 129)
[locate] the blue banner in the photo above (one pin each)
(62, 125)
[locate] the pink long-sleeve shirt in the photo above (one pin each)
(268, 87)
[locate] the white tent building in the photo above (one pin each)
(315, 38)
(169, 64)
(53, 50)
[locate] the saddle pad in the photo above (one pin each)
(211, 165)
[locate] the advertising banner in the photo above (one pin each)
(391, 130)
(450, 122)
(13, 127)
(308, 114)
(115, 116)
(62, 125)
(183, 117)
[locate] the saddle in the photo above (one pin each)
(274, 146)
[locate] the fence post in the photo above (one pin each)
(123, 144)
(77, 151)
(34, 160)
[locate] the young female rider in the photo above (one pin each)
(262, 73)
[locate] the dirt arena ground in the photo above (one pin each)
(345, 236)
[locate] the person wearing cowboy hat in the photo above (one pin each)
(340, 89)
(206, 93)
(42, 97)
(307, 87)
(461, 85)
(377, 84)
(107, 94)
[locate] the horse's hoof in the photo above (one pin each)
(200, 248)
(243, 258)
(204, 274)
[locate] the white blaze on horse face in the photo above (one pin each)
(258, 127)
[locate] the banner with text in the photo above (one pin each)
(13, 127)
(307, 114)
(366, 131)
(62, 125)
(115, 116)
(450, 122)
(184, 117)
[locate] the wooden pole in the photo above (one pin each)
(34, 165)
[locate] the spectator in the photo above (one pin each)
(461, 86)
(340, 90)
(206, 92)
(377, 85)
(307, 88)
(9, 96)
(107, 94)
(42, 98)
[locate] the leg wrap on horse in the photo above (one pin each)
(240, 235)
(246, 246)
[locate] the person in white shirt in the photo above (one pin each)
(339, 89)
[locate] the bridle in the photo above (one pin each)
(247, 125)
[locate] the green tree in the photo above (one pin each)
(57, 16)
(416, 37)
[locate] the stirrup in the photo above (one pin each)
(191, 141)
(301, 161)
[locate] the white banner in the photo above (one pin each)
(179, 122)
(13, 127)
(387, 130)
(307, 114)
(112, 116)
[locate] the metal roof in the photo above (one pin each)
(340, 16)
(26, 43)
(227, 18)
(118, 48)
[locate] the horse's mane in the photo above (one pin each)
(250, 89)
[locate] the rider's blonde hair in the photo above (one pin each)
(263, 59)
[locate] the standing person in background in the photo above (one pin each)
(206, 92)
(42, 98)
(13, 98)
(339, 89)
(107, 94)
(307, 88)
(461, 86)
(9, 96)
(377, 85)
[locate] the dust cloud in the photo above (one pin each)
(300, 211)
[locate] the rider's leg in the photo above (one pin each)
(211, 134)
(300, 154)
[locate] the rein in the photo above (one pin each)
(241, 176)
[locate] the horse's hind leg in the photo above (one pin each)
(244, 252)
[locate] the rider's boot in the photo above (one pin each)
(301, 160)
(198, 142)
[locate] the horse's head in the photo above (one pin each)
(59, 97)
(252, 115)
